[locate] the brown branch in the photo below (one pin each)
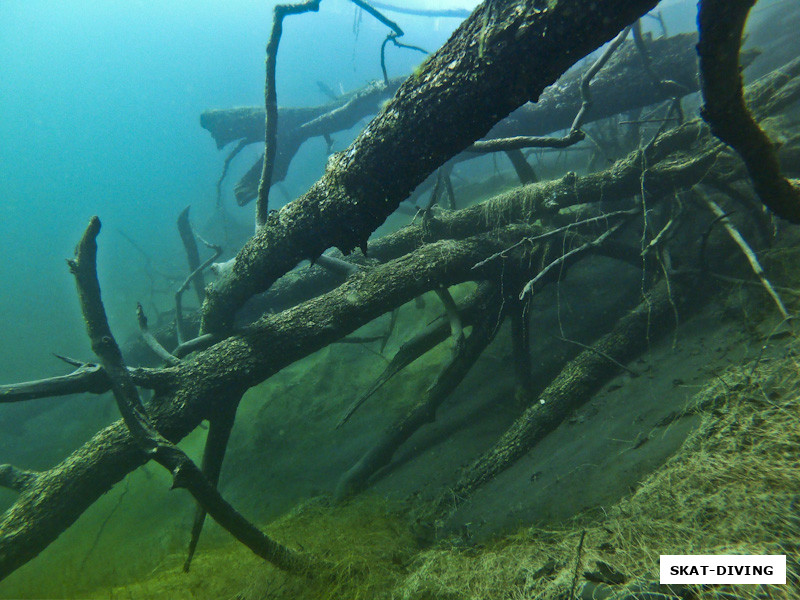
(271, 102)
(184, 472)
(721, 24)
(452, 374)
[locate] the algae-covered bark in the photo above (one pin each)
(459, 93)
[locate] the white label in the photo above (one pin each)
(723, 568)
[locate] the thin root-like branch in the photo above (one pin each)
(604, 217)
(748, 252)
(529, 287)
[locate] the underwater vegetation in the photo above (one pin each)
(527, 384)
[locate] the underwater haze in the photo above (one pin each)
(100, 105)
(684, 391)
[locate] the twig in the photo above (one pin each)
(179, 294)
(748, 252)
(578, 555)
(391, 37)
(598, 352)
(271, 102)
(226, 165)
(528, 289)
(586, 95)
(574, 135)
(150, 340)
(552, 232)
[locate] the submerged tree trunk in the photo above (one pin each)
(501, 57)
(459, 93)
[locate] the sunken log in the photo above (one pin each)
(459, 93)
(296, 126)
(622, 85)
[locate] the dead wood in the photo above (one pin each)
(361, 187)
(577, 383)
(279, 12)
(199, 386)
(192, 253)
(297, 126)
(721, 24)
(424, 341)
(185, 473)
(483, 332)
(474, 80)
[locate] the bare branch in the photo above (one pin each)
(748, 252)
(184, 472)
(271, 102)
(721, 24)
(151, 341)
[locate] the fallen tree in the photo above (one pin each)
(518, 241)
(620, 87)
(459, 92)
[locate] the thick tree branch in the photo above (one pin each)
(366, 183)
(721, 25)
(576, 383)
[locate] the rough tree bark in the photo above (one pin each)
(459, 93)
(462, 81)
